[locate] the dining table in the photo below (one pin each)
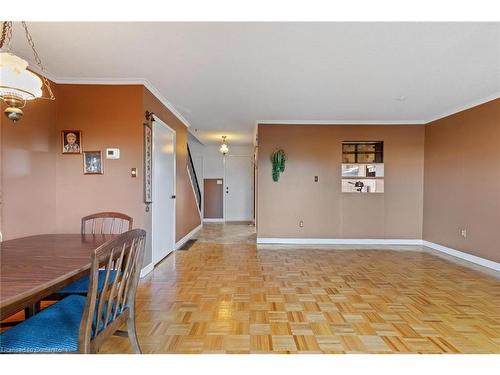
(34, 267)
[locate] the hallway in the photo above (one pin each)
(227, 233)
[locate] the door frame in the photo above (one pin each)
(224, 204)
(174, 133)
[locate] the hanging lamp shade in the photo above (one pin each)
(16, 82)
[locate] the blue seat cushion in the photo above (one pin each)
(81, 286)
(55, 329)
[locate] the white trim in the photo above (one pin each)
(337, 241)
(187, 237)
(146, 83)
(165, 102)
(340, 122)
(361, 241)
(113, 81)
(150, 267)
(438, 116)
(221, 220)
(464, 107)
(465, 256)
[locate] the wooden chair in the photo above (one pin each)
(81, 324)
(98, 223)
(106, 223)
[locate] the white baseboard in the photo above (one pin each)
(187, 237)
(147, 270)
(213, 220)
(465, 256)
(337, 241)
(362, 241)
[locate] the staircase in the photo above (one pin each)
(194, 179)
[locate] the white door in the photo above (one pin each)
(163, 207)
(238, 191)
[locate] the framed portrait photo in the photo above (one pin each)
(92, 162)
(71, 142)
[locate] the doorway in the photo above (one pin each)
(238, 188)
(163, 206)
(213, 199)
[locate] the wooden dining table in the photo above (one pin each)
(34, 267)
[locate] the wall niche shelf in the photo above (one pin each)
(363, 167)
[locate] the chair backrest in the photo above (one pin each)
(106, 223)
(106, 308)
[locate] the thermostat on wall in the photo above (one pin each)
(112, 153)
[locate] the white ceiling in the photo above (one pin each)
(223, 77)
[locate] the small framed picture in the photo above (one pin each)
(71, 141)
(92, 162)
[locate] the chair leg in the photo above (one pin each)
(32, 310)
(132, 333)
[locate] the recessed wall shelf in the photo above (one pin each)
(363, 152)
(363, 167)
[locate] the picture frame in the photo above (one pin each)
(71, 142)
(92, 162)
(148, 164)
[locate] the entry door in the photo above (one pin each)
(213, 198)
(163, 207)
(239, 188)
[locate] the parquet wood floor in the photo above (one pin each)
(237, 298)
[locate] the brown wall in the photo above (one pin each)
(28, 171)
(108, 116)
(187, 216)
(44, 191)
(462, 181)
(315, 150)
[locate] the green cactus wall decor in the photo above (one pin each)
(278, 158)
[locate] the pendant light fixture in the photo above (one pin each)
(18, 84)
(223, 147)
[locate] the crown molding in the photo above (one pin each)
(147, 84)
(112, 81)
(447, 113)
(464, 107)
(339, 122)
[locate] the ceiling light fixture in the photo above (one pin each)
(17, 83)
(223, 147)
